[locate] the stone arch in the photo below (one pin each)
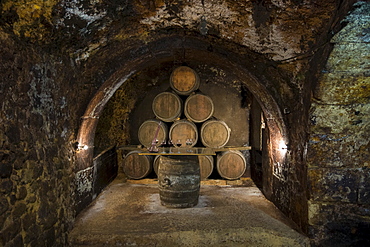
(195, 50)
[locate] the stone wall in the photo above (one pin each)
(339, 146)
(37, 128)
(55, 55)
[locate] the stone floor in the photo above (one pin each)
(130, 214)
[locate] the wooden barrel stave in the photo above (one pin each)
(147, 132)
(179, 181)
(198, 107)
(231, 164)
(214, 133)
(183, 130)
(137, 166)
(156, 163)
(184, 80)
(206, 166)
(167, 106)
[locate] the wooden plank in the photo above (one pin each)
(140, 148)
(232, 148)
(180, 151)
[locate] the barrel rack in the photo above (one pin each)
(184, 151)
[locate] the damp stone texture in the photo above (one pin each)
(36, 155)
(56, 56)
(339, 145)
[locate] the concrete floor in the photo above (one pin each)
(129, 214)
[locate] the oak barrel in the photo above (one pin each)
(148, 130)
(214, 133)
(198, 107)
(156, 163)
(167, 106)
(179, 181)
(183, 130)
(184, 80)
(206, 166)
(231, 164)
(137, 166)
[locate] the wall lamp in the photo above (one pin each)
(283, 146)
(78, 147)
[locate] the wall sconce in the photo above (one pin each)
(282, 145)
(279, 165)
(282, 148)
(80, 147)
(84, 147)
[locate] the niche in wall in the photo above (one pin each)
(131, 105)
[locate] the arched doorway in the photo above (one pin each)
(196, 50)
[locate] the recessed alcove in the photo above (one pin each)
(241, 98)
(223, 76)
(131, 106)
(134, 206)
(226, 208)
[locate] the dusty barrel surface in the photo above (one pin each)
(184, 80)
(148, 130)
(137, 166)
(183, 130)
(214, 133)
(179, 181)
(198, 107)
(167, 106)
(231, 164)
(206, 166)
(156, 163)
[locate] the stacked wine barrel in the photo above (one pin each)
(179, 115)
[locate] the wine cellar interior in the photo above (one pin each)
(225, 110)
(276, 112)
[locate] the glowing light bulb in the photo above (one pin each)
(282, 149)
(82, 147)
(282, 145)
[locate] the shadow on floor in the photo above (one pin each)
(130, 214)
